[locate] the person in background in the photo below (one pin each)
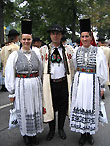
(108, 43)
(63, 40)
(103, 46)
(0, 72)
(57, 76)
(77, 43)
(13, 38)
(23, 81)
(36, 42)
(91, 73)
(2, 88)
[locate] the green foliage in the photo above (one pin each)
(67, 13)
(8, 12)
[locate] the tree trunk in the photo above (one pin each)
(1, 23)
(73, 22)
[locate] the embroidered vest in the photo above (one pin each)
(23, 65)
(86, 58)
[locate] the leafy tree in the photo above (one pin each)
(1, 23)
(6, 16)
(66, 13)
(45, 13)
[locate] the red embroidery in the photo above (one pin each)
(44, 110)
(91, 70)
(46, 57)
(83, 70)
(18, 76)
(42, 58)
(69, 56)
(30, 75)
(24, 76)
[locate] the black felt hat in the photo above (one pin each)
(56, 27)
(13, 32)
(26, 26)
(85, 25)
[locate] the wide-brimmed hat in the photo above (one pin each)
(13, 32)
(56, 27)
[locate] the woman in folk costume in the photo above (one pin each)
(23, 81)
(58, 67)
(91, 73)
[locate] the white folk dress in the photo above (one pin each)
(28, 91)
(85, 91)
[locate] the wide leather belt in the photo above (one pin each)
(86, 70)
(19, 75)
(59, 80)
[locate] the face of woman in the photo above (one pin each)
(86, 39)
(26, 41)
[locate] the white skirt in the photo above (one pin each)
(28, 103)
(85, 103)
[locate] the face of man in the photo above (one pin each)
(86, 39)
(56, 37)
(16, 38)
(26, 41)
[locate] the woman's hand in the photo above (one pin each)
(12, 99)
(102, 92)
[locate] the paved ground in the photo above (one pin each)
(13, 137)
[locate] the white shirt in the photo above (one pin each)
(57, 69)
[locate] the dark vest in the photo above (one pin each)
(90, 62)
(23, 65)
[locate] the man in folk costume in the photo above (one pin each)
(57, 75)
(91, 73)
(13, 38)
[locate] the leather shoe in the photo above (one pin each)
(62, 134)
(90, 139)
(82, 140)
(50, 135)
(34, 140)
(27, 140)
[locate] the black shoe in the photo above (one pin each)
(90, 139)
(103, 97)
(50, 135)
(3, 89)
(34, 140)
(82, 140)
(27, 140)
(62, 134)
